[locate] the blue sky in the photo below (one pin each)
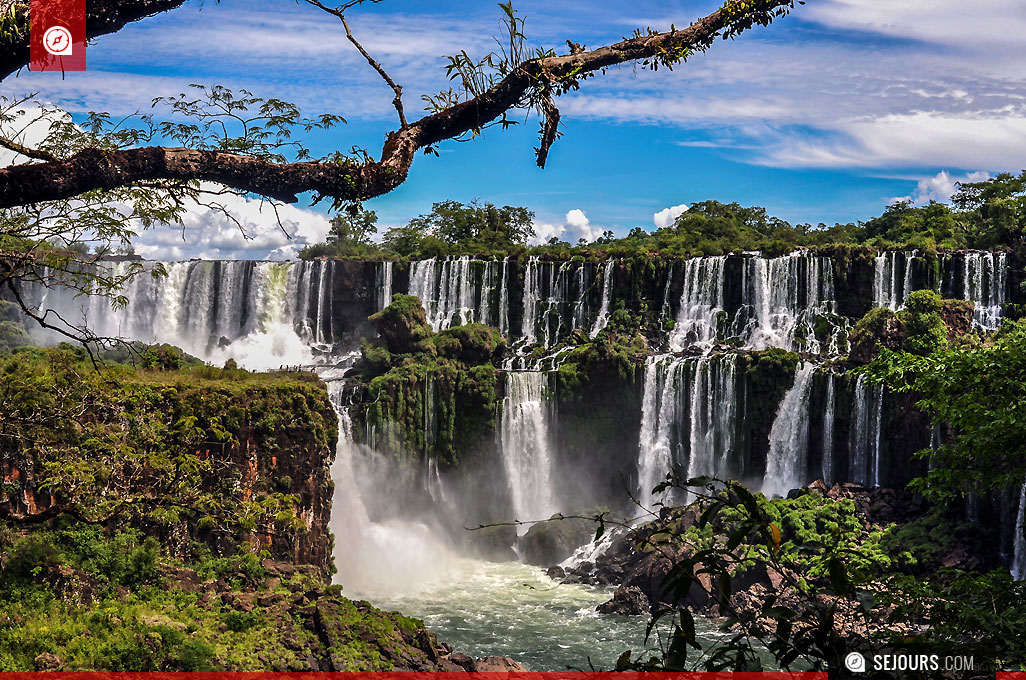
(825, 116)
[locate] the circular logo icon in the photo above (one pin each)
(57, 41)
(855, 662)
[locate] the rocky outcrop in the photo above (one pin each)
(627, 601)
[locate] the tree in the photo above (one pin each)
(998, 204)
(487, 91)
(129, 173)
(476, 224)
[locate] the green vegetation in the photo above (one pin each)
(979, 394)
(985, 215)
(430, 394)
(75, 596)
(155, 448)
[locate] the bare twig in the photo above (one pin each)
(339, 12)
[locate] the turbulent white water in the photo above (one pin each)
(689, 407)
(892, 279)
(789, 436)
(782, 296)
(865, 433)
(701, 302)
(510, 609)
(526, 444)
(387, 555)
(660, 414)
(446, 290)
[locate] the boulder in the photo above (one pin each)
(627, 601)
(553, 541)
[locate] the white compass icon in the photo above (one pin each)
(57, 41)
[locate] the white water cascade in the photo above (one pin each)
(607, 293)
(701, 303)
(866, 422)
(526, 446)
(660, 414)
(789, 436)
(689, 408)
(892, 278)
(446, 290)
(713, 416)
(384, 281)
(827, 466)
(984, 281)
(390, 555)
(1019, 555)
(261, 314)
(782, 296)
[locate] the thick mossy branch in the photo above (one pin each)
(91, 169)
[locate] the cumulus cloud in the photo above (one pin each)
(668, 216)
(209, 233)
(940, 187)
(574, 227)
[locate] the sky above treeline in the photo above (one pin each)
(827, 115)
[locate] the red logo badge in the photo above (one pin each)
(57, 35)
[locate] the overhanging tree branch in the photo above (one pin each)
(349, 180)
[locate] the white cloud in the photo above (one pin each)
(940, 187)
(667, 216)
(925, 138)
(208, 233)
(575, 226)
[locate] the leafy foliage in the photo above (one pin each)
(979, 394)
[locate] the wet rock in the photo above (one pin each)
(553, 541)
(555, 573)
(627, 601)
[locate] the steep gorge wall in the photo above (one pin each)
(220, 457)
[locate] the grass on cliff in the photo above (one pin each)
(77, 597)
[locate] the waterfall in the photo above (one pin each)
(781, 298)
(867, 413)
(984, 281)
(889, 288)
(789, 436)
(660, 416)
(686, 403)
(446, 290)
(549, 312)
(828, 432)
(504, 299)
(1019, 555)
(374, 555)
(713, 416)
(525, 441)
(385, 284)
(485, 290)
(701, 302)
(532, 298)
(257, 313)
(607, 294)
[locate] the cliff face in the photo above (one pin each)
(202, 456)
